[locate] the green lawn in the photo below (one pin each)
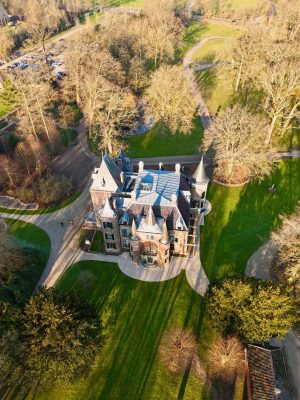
(242, 218)
(199, 30)
(158, 142)
(30, 236)
(97, 245)
(211, 51)
(33, 239)
(134, 314)
(215, 87)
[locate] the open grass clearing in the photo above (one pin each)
(135, 314)
(216, 89)
(242, 218)
(97, 245)
(199, 30)
(211, 51)
(28, 237)
(161, 142)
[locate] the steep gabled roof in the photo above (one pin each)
(107, 177)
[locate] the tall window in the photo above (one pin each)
(111, 245)
(109, 236)
(108, 225)
(124, 233)
(125, 243)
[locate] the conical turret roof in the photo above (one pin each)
(133, 229)
(150, 219)
(107, 211)
(200, 175)
(165, 234)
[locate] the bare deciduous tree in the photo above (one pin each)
(161, 30)
(237, 136)
(169, 99)
(279, 78)
(6, 44)
(286, 265)
(225, 358)
(178, 351)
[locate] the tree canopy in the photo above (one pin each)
(55, 338)
(252, 309)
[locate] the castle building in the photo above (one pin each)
(152, 213)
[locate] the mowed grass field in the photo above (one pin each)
(135, 314)
(161, 142)
(242, 218)
(28, 237)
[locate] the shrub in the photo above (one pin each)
(25, 194)
(70, 114)
(67, 136)
(53, 189)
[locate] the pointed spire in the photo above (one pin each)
(107, 211)
(133, 229)
(200, 173)
(165, 234)
(150, 219)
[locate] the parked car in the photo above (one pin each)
(60, 74)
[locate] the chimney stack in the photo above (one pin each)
(174, 198)
(133, 195)
(177, 168)
(141, 166)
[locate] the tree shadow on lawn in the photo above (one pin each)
(227, 245)
(207, 81)
(135, 314)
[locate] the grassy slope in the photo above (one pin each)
(242, 218)
(162, 143)
(135, 314)
(29, 236)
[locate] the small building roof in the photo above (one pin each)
(268, 377)
(200, 175)
(107, 211)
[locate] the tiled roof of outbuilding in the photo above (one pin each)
(267, 371)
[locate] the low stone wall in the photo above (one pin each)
(230, 184)
(16, 204)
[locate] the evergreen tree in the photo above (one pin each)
(252, 309)
(8, 96)
(59, 336)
